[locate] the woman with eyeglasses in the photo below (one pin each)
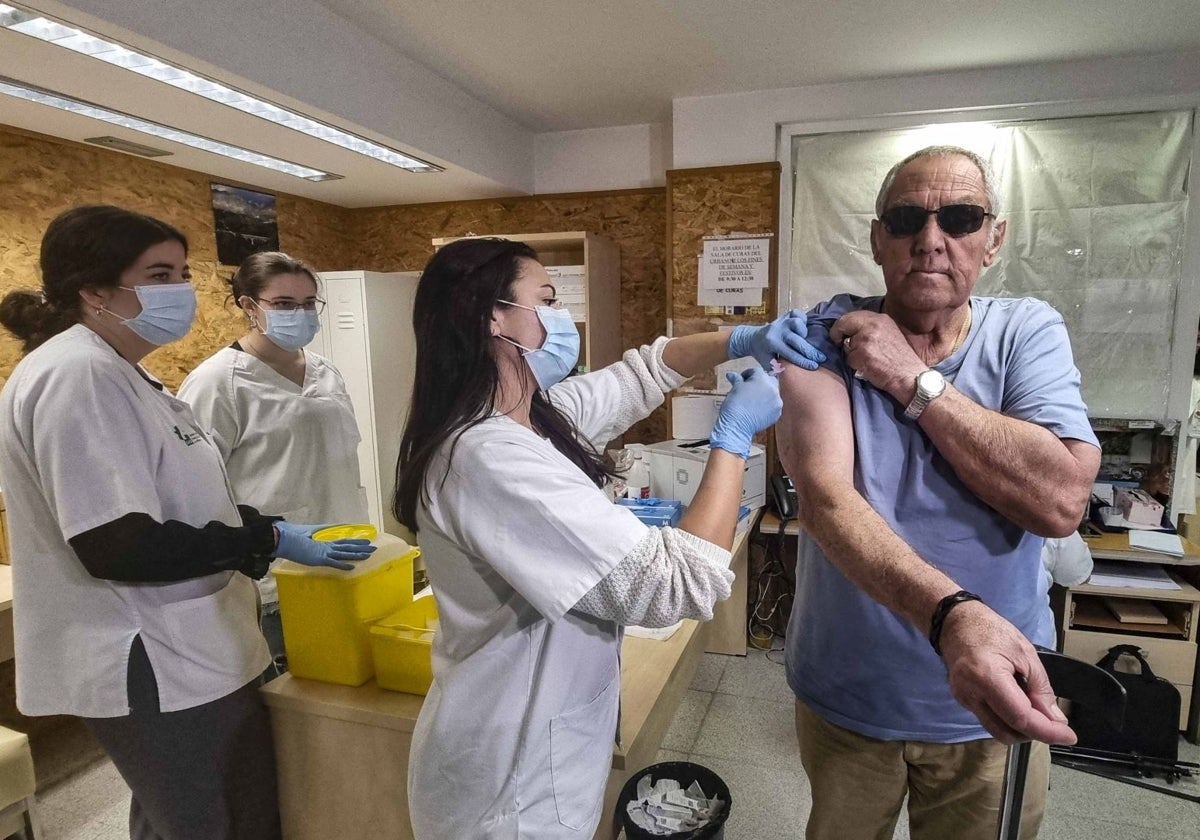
(279, 413)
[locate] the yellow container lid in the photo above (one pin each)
(410, 622)
(362, 531)
(388, 549)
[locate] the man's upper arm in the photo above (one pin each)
(815, 434)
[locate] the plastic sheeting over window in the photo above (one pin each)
(1095, 207)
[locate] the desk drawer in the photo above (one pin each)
(1172, 659)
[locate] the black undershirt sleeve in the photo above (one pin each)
(138, 549)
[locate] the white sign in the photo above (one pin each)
(732, 296)
(735, 263)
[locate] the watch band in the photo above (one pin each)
(917, 406)
(943, 609)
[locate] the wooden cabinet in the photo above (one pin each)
(342, 751)
(1090, 629)
(597, 305)
(727, 630)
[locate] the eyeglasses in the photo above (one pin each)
(289, 305)
(554, 303)
(953, 219)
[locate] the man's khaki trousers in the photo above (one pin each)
(954, 790)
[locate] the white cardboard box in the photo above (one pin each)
(676, 467)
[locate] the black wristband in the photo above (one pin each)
(943, 609)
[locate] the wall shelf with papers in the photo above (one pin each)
(586, 270)
(1161, 622)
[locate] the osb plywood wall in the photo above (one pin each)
(712, 202)
(40, 177)
(401, 239)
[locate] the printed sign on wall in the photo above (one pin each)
(734, 271)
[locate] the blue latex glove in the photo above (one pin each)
(783, 338)
(296, 543)
(752, 405)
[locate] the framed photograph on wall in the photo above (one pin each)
(245, 223)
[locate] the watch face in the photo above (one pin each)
(931, 382)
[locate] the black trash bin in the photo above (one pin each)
(684, 772)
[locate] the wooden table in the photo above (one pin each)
(770, 524)
(1106, 546)
(1115, 546)
(727, 630)
(342, 752)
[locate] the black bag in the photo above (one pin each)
(1151, 713)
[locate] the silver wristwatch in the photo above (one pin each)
(930, 386)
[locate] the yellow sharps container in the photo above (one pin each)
(327, 613)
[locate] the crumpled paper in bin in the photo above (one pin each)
(664, 807)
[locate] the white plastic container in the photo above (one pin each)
(637, 480)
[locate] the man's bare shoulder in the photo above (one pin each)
(814, 395)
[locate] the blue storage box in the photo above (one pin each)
(658, 513)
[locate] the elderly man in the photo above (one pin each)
(942, 440)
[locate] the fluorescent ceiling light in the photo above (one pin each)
(86, 109)
(44, 29)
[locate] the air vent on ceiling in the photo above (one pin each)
(127, 146)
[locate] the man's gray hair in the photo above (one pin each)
(985, 169)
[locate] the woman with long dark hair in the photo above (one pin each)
(534, 569)
(132, 565)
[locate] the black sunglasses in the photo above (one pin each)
(953, 219)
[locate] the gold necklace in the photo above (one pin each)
(962, 332)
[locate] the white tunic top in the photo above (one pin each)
(516, 734)
(85, 440)
(290, 450)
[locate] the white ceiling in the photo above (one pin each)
(365, 182)
(555, 65)
(469, 84)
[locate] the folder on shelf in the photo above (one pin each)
(1134, 611)
(1156, 541)
(1130, 575)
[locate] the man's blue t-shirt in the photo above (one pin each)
(857, 663)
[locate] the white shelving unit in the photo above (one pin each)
(366, 331)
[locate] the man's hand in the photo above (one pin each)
(879, 352)
(996, 674)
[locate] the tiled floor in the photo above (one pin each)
(92, 805)
(737, 719)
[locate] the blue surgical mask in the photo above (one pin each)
(168, 310)
(558, 354)
(291, 330)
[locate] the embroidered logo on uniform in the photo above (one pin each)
(188, 438)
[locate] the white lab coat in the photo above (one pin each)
(1066, 561)
(290, 450)
(515, 737)
(84, 440)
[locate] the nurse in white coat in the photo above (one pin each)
(280, 414)
(133, 605)
(534, 569)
